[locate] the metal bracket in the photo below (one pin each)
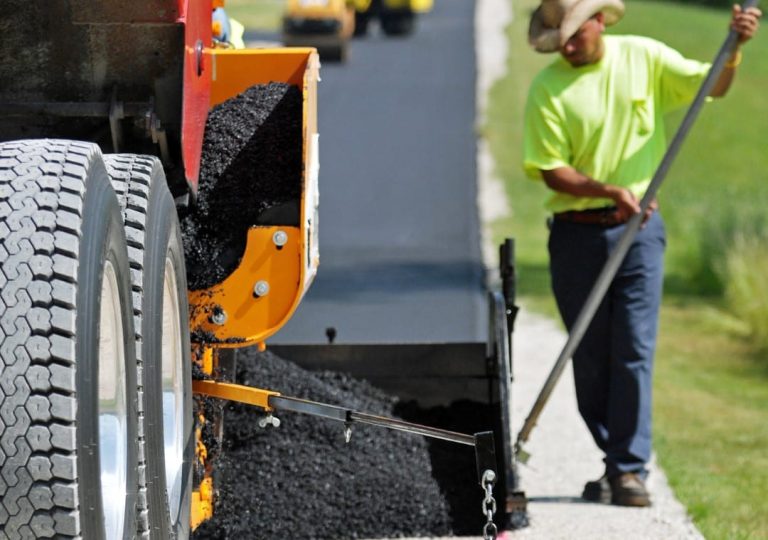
(235, 392)
(485, 453)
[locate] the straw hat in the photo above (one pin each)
(554, 21)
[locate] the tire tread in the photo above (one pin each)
(130, 178)
(42, 190)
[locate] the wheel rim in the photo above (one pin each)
(173, 389)
(113, 407)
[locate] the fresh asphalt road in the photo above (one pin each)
(400, 256)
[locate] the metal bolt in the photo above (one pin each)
(219, 316)
(280, 238)
(261, 288)
(199, 57)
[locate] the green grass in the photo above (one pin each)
(711, 393)
(256, 14)
(711, 414)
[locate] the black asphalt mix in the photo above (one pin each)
(251, 165)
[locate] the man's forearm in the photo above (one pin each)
(570, 181)
(723, 82)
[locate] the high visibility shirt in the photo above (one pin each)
(606, 119)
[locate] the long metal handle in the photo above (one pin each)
(633, 225)
(483, 442)
(348, 416)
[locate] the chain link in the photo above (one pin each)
(489, 505)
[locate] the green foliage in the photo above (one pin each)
(746, 289)
(256, 14)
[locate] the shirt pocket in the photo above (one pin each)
(642, 115)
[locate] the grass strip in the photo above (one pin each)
(257, 15)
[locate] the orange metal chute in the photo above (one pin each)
(233, 312)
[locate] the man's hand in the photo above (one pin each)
(652, 207)
(745, 22)
(626, 202)
(628, 206)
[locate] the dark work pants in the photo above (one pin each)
(613, 365)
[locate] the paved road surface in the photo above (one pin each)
(399, 235)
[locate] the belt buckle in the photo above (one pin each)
(609, 218)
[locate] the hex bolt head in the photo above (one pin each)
(280, 238)
(219, 316)
(261, 288)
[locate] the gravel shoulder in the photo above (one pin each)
(563, 454)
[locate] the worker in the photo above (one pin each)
(222, 30)
(226, 30)
(594, 133)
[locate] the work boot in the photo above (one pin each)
(598, 491)
(628, 489)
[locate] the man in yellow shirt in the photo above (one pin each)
(594, 133)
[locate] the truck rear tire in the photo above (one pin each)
(162, 342)
(397, 23)
(361, 24)
(68, 404)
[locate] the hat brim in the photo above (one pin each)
(546, 40)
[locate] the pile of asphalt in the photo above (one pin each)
(251, 162)
(301, 480)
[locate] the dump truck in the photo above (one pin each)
(327, 25)
(103, 109)
(112, 347)
(395, 17)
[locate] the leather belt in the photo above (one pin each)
(604, 217)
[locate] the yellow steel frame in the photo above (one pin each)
(326, 9)
(202, 498)
(235, 392)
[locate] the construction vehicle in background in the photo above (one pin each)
(327, 25)
(396, 17)
(103, 111)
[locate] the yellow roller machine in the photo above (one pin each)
(326, 25)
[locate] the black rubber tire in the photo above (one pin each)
(60, 226)
(361, 24)
(154, 237)
(398, 23)
(335, 53)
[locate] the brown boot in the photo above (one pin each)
(597, 490)
(628, 489)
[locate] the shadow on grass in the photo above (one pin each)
(701, 284)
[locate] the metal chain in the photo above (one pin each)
(489, 505)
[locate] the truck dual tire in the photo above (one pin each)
(68, 406)
(161, 313)
(95, 401)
